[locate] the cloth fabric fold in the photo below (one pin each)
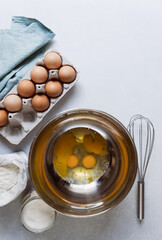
(20, 48)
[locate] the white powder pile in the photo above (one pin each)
(8, 177)
(37, 216)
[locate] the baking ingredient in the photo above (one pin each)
(13, 103)
(26, 88)
(40, 102)
(67, 74)
(94, 144)
(8, 177)
(37, 216)
(13, 176)
(89, 161)
(52, 60)
(3, 117)
(53, 89)
(72, 161)
(39, 74)
(62, 150)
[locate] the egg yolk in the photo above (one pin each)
(72, 161)
(62, 150)
(89, 161)
(96, 144)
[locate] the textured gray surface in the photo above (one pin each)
(119, 223)
(117, 46)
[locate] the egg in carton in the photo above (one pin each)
(35, 95)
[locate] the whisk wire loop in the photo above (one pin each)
(143, 134)
(150, 143)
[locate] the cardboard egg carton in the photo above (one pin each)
(22, 122)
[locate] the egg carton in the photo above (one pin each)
(22, 122)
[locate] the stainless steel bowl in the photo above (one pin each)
(100, 195)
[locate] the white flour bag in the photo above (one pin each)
(13, 176)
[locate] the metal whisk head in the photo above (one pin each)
(143, 134)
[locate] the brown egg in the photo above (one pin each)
(39, 74)
(3, 117)
(13, 103)
(52, 60)
(53, 89)
(67, 74)
(40, 102)
(26, 88)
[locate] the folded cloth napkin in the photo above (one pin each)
(20, 48)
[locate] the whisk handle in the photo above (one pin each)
(141, 200)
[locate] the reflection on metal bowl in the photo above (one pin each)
(72, 196)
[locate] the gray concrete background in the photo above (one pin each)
(117, 46)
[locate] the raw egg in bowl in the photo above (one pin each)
(83, 162)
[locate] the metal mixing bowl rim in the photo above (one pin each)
(70, 111)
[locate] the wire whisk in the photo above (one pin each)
(143, 134)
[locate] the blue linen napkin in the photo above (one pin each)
(20, 48)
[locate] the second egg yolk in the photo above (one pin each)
(89, 161)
